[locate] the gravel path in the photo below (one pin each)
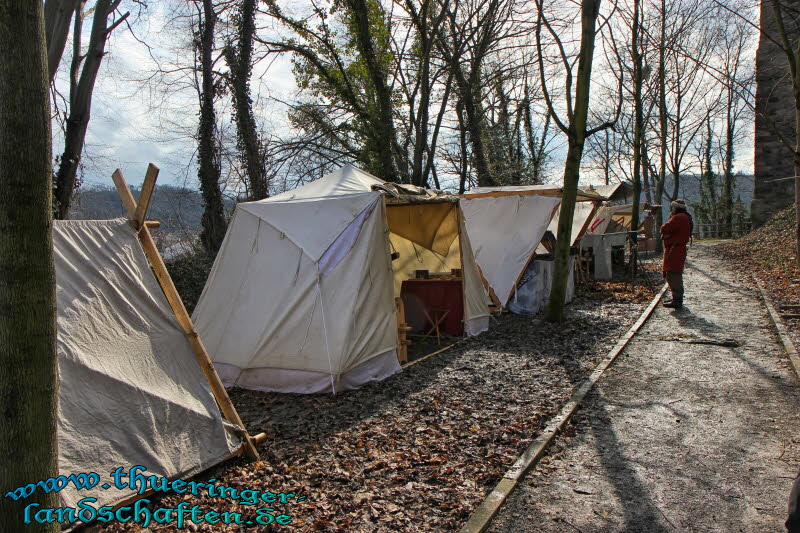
(677, 435)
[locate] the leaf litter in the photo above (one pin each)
(419, 451)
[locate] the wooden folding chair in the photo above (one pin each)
(436, 320)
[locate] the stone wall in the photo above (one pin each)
(775, 110)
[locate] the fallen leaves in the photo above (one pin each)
(419, 451)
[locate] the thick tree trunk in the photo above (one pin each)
(420, 125)
(727, 184)
(590, 9)
(240, 62)
(28, 365)
(213, 219)
(662, 118)
(462, 136)
(474, 123)
(797, 173)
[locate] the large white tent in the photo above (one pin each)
(131, 390)
(301, 297)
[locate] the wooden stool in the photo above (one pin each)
(438, 317)
(402, 330)
(583, 267)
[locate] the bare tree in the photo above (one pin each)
(239, 56)
(83, 75)
(213, 220)
(576, 129)
(57, 16)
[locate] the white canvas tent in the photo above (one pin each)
(301, 295)
(613, 219)
(132, 387)
(584, 212)
(528, 281)
(585, 206)
(504, 232)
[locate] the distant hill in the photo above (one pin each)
(689, 188)
(177, 208)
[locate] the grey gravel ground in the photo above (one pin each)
(677, 436)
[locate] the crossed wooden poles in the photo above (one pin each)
(136, 214)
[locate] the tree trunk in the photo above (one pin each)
(462, 136)
(239, 57)
(662, 119)
(82, 82)
(28, 364)
(576, 136)
(727, 185)
(383, 119)
(638, 131)
(213, 219)
(57, 16)
(797, 172)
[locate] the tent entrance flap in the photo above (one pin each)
(418, 234)
(431, 225)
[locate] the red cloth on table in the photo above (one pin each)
(418, 294)
(676, 233)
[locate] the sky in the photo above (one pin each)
(134, 123)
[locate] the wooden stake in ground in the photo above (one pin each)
(28, 364)
(137, 215)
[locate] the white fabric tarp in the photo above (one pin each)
(131, 391)
(533, 290)
(580, 219)
(613, 219)
(301, 295)
(504, 232)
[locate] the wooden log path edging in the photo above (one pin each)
(783, 333)
(481, 518)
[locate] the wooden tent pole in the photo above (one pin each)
(137, 212)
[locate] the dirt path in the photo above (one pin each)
(677, 436)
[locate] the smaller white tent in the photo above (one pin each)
(301, 297)
(580, 221)
(504, 232)
(131, 391)
(613, 219)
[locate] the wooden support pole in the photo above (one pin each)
(175, 302)
(146, 194)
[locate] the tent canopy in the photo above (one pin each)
(613, 219)
(505, 232)
(580, 221)
(131, 391)
(542, 190)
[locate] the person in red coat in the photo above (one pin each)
(676, 234)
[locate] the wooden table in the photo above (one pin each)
(434, 296)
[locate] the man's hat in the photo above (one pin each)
(679, 203)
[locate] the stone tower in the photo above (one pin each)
(775, 110)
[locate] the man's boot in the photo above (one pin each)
(676, 302)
